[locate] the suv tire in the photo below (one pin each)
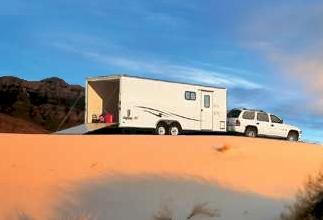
(293, 136)
(251, 132)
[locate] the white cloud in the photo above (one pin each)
(211, 77)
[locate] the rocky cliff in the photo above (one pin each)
(50, 104)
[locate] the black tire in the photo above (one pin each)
(174, 129)
(293, 136)
(251, 132)
(161, 129)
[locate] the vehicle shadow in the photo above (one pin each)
(151, 197)
(130, 131)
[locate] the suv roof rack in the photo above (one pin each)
(256, 110)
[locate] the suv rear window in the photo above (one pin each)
(262, 117)
(249, 115)
(234, 113)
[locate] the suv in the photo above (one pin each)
(255, 123)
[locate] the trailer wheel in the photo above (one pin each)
(161, 129)
(174, 129)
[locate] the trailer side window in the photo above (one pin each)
(190, 95)
(206, 101)
(193, 96)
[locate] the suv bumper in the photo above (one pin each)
(236, 129)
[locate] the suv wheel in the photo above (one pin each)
(292, 136)
(251, 132)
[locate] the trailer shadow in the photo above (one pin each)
(130, 131)
(136, 131)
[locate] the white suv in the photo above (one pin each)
(255, 123)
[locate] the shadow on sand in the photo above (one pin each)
(150, 197)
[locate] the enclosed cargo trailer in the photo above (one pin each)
(163, 106)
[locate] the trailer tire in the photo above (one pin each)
(174, 129)
(161, 128)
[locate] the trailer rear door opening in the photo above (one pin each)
(102, 98)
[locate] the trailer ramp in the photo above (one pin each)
(85, 128)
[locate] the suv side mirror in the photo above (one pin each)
(282, 121)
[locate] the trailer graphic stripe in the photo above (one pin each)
(153, 110)
(158, 115)
(166, 113)
(193, 119)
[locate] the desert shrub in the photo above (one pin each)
(77, 217)
(24, 216)
(309, 201)
(197, 210)
(203, 210)
(164, 214)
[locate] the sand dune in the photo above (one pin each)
(37, 171)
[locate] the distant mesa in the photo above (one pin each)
(43, 103)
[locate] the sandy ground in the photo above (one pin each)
(48, 175)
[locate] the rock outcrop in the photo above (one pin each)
(50, 103)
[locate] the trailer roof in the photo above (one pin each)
(118, 76)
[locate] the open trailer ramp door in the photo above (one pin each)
(85, 128)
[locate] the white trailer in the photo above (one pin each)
(163, 106)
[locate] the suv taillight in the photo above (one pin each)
(238, 122)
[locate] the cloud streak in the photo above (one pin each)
(181, 73)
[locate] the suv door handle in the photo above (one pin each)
(257, 123)
(272, 125)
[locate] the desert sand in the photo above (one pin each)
(48, 175)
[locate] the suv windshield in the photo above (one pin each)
(234, 113)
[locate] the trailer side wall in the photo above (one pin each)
(145, 102)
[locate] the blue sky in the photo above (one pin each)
(267, 53)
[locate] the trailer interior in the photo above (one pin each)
(103, 98)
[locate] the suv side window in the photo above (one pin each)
(249, 115)
(275, 119)
(261, 116)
